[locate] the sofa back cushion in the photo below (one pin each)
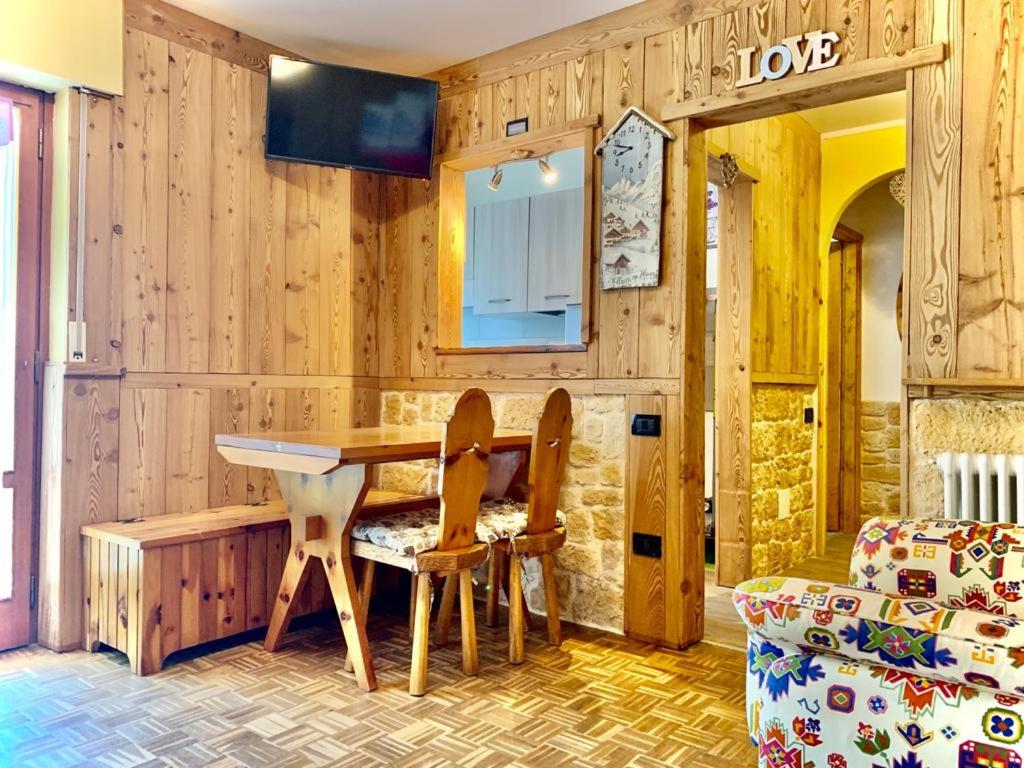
(959, 563)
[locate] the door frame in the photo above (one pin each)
(733, 384)
(843, 365)
(18, 615)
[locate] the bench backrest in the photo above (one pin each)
(465, 448)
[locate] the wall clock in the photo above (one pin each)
(632, 171)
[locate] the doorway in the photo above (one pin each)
(21, 247)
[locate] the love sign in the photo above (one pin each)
(801, 53)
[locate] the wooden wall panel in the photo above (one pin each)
(230, 247)
(189, 210)
(850, 18)
(187, 433)
(229, 413)
(142, 451)
(144, 266)
(804, 16)
(302, 270)
(935, 154)
(618, 312)
(991, 287)
(892, 27)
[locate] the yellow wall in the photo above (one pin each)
(850, 164)
(53, 44)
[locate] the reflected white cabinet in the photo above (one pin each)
(501, 235)
(556, 251)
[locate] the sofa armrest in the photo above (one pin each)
(915, 635)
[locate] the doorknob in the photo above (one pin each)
(8, 479)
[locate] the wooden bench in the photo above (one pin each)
(157, 585)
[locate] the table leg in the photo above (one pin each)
(321, 509)
(293, 580)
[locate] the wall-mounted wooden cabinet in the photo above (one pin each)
(527, 254)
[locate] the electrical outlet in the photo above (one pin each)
(784, 499)
(808, 415)
(646, 424)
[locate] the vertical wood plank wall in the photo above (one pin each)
(288, 255)
(222, 293)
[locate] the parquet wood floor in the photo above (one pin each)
(723, 627)
(599, 700)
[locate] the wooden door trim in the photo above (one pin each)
(33, 220)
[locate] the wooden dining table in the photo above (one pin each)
(324, 478)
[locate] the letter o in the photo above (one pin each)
(785, 59)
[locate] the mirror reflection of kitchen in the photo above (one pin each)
(523, 281)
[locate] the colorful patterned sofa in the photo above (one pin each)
(918, 664)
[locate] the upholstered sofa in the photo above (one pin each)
(918, 663)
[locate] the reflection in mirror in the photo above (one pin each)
(523, 280)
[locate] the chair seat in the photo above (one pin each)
(414, 532)
(505, 519)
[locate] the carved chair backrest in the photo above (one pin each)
(548, 456)
(465, 448)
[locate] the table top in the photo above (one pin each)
(361, 445)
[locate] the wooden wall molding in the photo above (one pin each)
(180, 26)
(573, 386)
(853, 81)
(243, 381)
(592, 36)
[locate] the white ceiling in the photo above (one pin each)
(851, 116)
(407, 36)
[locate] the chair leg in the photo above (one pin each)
(515, 610)
(551, 599)
(470, 664)
(444, 613)
(365, 591)
(493, 585)
(420, 636)
(527, 617)
(412, 604)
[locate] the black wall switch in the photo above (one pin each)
(647, 424)
(808, 415)
(647, 545)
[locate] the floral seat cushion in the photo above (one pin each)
(505, 519)
(415, 532)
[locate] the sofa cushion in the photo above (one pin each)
(959, 563)
(823, 710)
(907, 633)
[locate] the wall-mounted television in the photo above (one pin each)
(350, 118)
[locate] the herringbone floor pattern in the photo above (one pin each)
(599, 700)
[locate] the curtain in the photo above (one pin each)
(8, 305)
(6, 121)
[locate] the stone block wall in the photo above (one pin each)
(969, 425)
(879, 459)
(590, 568)
(782, 456)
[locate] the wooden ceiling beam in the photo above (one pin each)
(180, 26)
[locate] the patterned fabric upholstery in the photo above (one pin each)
(412, 533)
(505, 519)
(919, 666)
(960, 563)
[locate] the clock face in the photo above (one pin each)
(634, 148)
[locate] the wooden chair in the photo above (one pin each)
(442, 541)
(526, 524)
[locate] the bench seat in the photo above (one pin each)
(158, 585)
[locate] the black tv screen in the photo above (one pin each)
(350, 118)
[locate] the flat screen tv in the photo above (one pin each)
(350, 118)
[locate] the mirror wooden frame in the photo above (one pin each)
(451, 169)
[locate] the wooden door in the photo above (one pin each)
(500, 249)
(555, 275)
(21, 202)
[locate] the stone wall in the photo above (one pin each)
(970, 425)
(782, 456)
(879, 459)
(590, 567)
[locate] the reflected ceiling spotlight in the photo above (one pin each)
(549, 174)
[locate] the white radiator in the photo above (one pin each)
(983, 486)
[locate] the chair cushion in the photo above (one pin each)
(505, 519)
(405, 533)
